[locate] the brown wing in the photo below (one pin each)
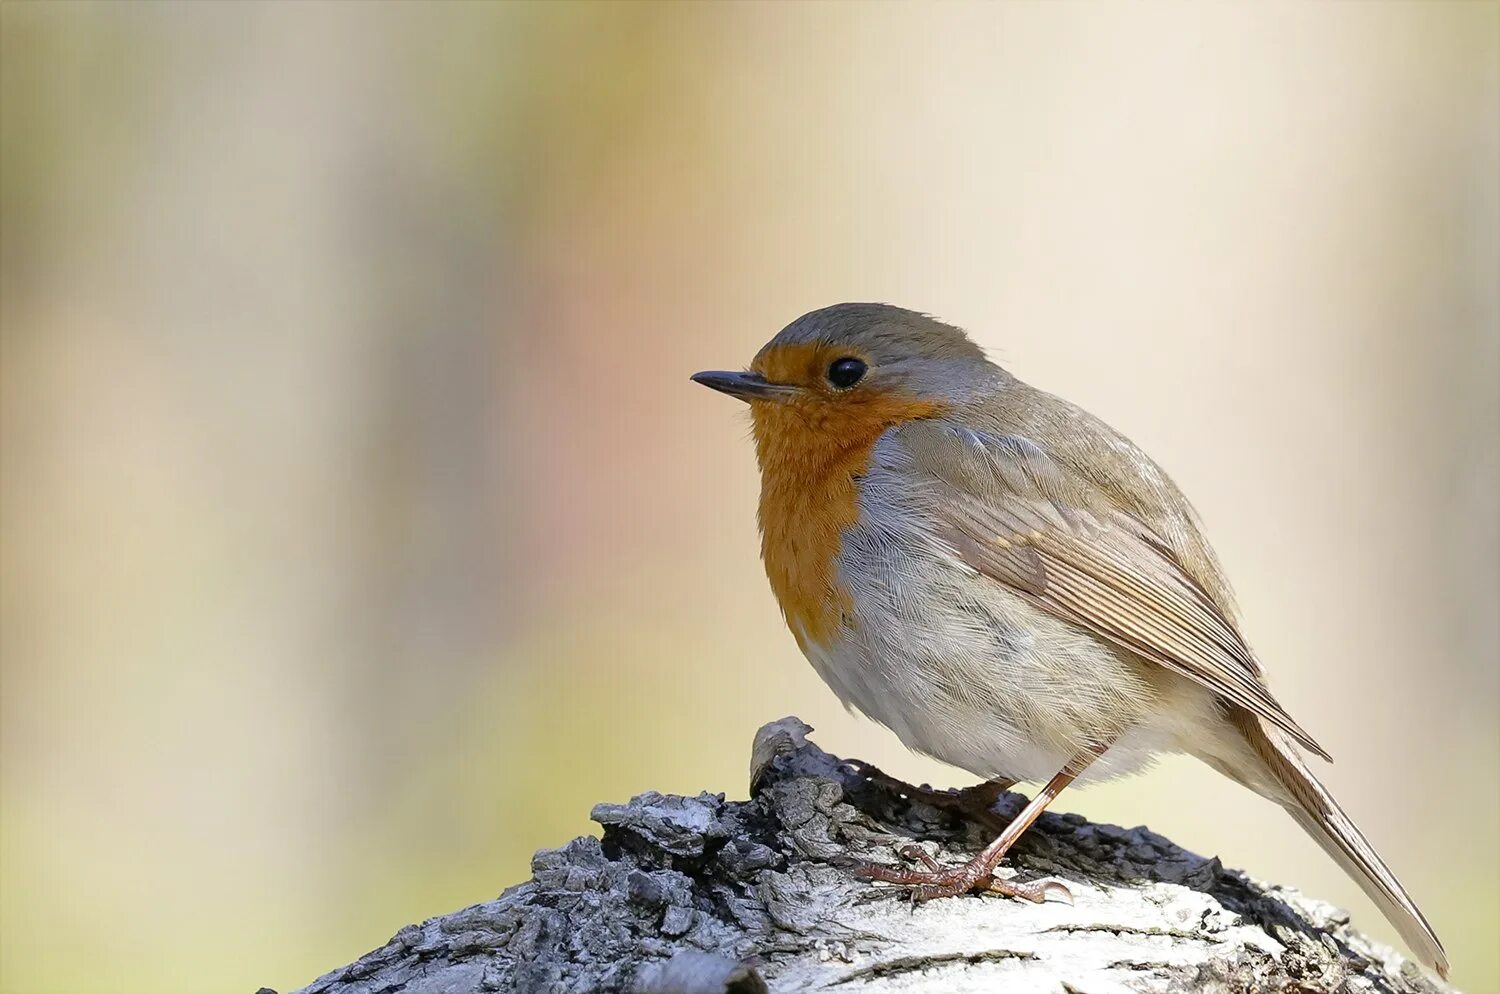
(1018, 515)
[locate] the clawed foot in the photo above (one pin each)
(937, 881)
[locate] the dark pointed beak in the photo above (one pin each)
(745, 386)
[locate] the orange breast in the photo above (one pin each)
(810, 455)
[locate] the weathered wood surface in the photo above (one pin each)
(699, 895)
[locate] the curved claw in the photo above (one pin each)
(1037, 892)
(1064, 896)
(914, 852)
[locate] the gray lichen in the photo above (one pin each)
(701, 895)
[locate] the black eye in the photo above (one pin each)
(845, 372)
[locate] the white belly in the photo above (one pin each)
(963, 669)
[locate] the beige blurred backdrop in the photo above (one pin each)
(361, 527)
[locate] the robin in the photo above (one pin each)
(1010, 585)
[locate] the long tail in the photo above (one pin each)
(1320, 815)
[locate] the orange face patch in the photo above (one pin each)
(802, 365)
(811, 449)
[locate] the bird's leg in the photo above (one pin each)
(978, 873)
(973, 803)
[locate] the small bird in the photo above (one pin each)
(1009, 585)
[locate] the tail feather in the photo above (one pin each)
(1309, 802)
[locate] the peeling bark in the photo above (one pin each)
(699, 895)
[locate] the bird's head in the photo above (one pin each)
(834, 379)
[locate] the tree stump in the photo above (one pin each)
(700, 895)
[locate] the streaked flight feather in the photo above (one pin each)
(1018, 514)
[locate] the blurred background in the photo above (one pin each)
(361, 527)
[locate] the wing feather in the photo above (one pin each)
(1019, 516)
